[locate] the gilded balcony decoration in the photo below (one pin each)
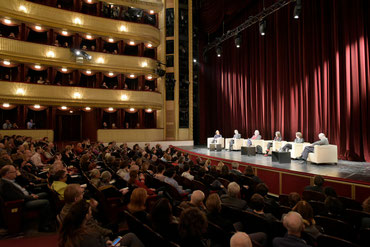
(155, 5)
(29, 12)
(26, 52)
(77, 96)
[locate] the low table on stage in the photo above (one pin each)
(281, 157)
(250, 151)
(214, 146)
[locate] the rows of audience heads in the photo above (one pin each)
(137, 176)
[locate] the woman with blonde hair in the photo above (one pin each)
(137, 206)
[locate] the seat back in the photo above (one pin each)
(12, 212)
(200, 186)
(364, 236)
(326, 240)
(217, 235)
(224, 182)
(335, 227)
(350, 203)
(355, 217)
(318, 208)
(309, 195)
(284, 200)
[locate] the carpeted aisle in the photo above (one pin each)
(44, 241)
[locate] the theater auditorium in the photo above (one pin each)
(184, 123)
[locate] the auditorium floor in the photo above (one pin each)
(358, 171)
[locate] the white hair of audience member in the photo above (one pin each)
(322, 136)
(233, 189)
(256, 132)
(107, 155)
(197, 197)
(240, 239)
(293, 222)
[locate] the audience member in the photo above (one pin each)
(12, 191)
(95, 178)
(163, 221)
(7, 125)
(160, 173)
(306, 211)
(170, 180)
(213, 205)
(235, 169)
(240, 239)
(231, 198)
(318, 184)
(137, 206)
(186, 172)
(192, 227)
(293, 222)
(257, 205)
(293, 199)
(59, 184)
(196, 200)
(248, 171)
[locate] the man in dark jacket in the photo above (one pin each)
(10, 190)
(231, 198)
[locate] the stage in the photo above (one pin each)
(350, 179)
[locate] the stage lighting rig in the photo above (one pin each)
(159, 71)
(80, 55)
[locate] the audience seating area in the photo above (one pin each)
(162, 174)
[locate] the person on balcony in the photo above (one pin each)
(7, 125)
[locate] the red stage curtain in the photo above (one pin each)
(309, 75)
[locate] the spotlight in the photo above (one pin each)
(77, 21)
(36, 106)
(111, 40)
(88, 36)
(219, 51)
(132, 76)
(88, 72)
(20, 91)
(87, 108)
(151, 12)
(6, 105)
(238, 40)
(7, 21)
(123, 28)
(77, 52)
(71, 112)
(65, 33)
(297, 9)
(64, 107)
(132, 43)
(110, 74)
(110, 109)
(194, 60)
(22, 8)
(149, 77)
(132, 109)
(64, 69)
(262, 27)
(5, 62)
(124, 97)
(81, 54)
(149, 45)
(38, 28)
(37, 67)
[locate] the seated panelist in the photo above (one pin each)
(217, 135)
(277, 138)
(309, 149)
(232, 141)
(288, 146)
(256, 136)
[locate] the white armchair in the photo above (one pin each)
(277, 145)
(237, 144)
(218, 141)
(324, 154)
(297, 149)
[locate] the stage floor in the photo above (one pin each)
(351, 170)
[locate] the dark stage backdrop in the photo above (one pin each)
(309, 75)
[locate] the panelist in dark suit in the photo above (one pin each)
(217, 135)
(309, 149)
(288, 146)
(232, 141)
